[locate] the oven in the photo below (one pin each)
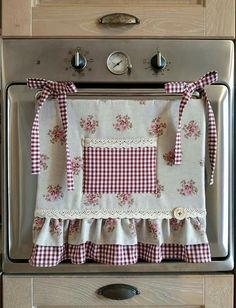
(95, 66)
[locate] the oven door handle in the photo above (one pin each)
(122, 92)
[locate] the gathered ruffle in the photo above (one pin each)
(47, 256)
(118, 241)
(57, 232)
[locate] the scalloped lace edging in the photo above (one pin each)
(178, 213)
(120, 143)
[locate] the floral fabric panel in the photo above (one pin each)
(122, 160)
(120, 169)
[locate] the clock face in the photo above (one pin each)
(118, 62)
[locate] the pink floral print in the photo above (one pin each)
(89, 124)
(57, 135)
(153, 228)
(55, 226)
(192, 130)
(132, 227)
(159, 189)
(169, 157)
(54, 193)
(122, 123)
(43, 161)
(157, 127)
(199, 225)
(38, 224)
(74, 227)
(76, 165)
(92, 199)
(176, 224)
(125, 199)
(188, 188)
(110, 224)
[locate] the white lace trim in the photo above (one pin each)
(120, 143)
(120, 213)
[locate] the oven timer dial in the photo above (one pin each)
(78, 61)
(158, 62)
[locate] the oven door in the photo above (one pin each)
(20, 185)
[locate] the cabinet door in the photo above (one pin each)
(155, 291)
(159, 18)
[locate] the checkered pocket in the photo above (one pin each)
(120, 166)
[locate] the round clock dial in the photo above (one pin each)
(118, 62)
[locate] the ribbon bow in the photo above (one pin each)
(60, 91)
(187, 89)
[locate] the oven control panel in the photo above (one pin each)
(118, 62)
(114, 60)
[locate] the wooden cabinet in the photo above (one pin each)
(159, 18)
(155, 291)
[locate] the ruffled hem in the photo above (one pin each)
(47, 256)
(56, 232)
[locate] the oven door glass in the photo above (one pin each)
(21, 185)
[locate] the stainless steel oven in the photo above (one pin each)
(150, 63)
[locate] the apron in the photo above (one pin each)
(117, 182)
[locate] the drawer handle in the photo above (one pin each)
(118, 291)
(119, 19)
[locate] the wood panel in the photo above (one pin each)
(188, 291)
(82, 291)
(158, 18)
(17, 292)
(16, 18)
(219, 292)
(82, 21)
(220, 18)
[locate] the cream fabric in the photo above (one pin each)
(121, 231)
(172, 179)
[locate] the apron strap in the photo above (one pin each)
(187, 89)
(60, 91)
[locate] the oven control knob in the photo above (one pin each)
(158, 62)
(78, 61)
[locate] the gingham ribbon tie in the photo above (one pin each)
(188, 89)
(60, 91)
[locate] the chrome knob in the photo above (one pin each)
(78, 61)
(158, 62)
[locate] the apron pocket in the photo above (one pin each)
(120, 165)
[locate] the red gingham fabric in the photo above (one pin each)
(187, 89)
(46, 256)
(120, 170)
(58, 90)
